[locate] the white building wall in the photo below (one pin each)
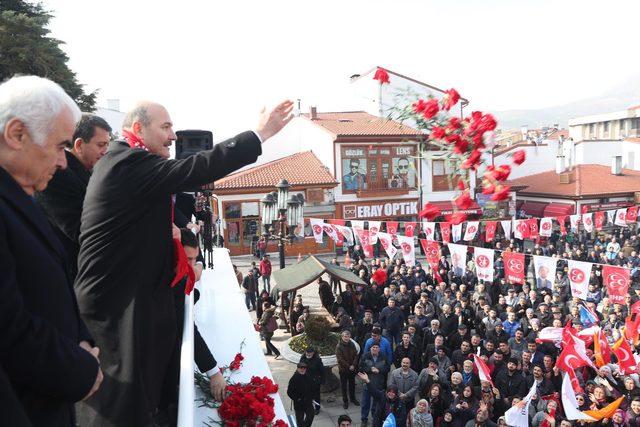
(113, 117)
(597, 152)
(299, 135)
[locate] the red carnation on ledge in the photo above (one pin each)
(519, 157)
(429, 211)
(382, 76)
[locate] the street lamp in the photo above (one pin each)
(281, 213)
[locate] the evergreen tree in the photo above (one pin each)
(27, 48)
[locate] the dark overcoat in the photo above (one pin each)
(40, 326)
(125, 267)
(62, 203)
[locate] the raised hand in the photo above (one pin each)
(271, 122)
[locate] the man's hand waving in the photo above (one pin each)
(271, 122)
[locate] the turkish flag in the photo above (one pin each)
(490, 230)
(598, 219)
(533, 228)
(626, 361)
(409, 228)
(432, 251)
(392, 227)
(365, 241)
(632, 214)
(616, 279)
(483, 370)
(562, 220)
(445, 231)
(513, 267)
(601, 349)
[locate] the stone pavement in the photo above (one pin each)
(282, 370)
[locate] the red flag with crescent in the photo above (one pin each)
(514, 267)
(562, 220)
(490, 230)
(598, 220)
(409, 229)
(533, 228)
(616, 280)
(626, 361)
(445, 231)
(392, 227)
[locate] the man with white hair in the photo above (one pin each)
(45, 348)
(128, 260)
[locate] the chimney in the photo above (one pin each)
(113, 104)
(313, 113)
(616, 165)
(560, 167)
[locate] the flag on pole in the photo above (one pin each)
(569, 402)
(518, 414)
(483, 370)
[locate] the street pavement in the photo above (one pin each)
(282, 370)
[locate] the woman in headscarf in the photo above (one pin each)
(420, 415)
(630, 391)
(618, 419)
(607, 381)
(456, 385)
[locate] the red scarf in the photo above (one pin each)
(182, 267)
(180, 262)
(133, 140)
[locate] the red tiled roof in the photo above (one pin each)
(359, 123)
(299, 169)
(558, 133)
(632, 139)
(586, 180)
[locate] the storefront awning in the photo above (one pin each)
(534, 209)
(558, 209)
(448, 208)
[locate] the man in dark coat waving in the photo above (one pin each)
(126, 261)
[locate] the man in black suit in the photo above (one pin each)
(123, 283)
(62, 199)
(45, 348)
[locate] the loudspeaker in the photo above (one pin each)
(190, 142)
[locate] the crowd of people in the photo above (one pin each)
(418, 335)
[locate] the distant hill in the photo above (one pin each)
(618, 98)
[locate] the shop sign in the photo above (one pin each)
(605, 206)
(382, 210)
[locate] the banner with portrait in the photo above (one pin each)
(545, 271)
(408, 250)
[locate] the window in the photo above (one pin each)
(232, 211)
(442, 172)
(606, 126)
(622, 126)
(382, 167)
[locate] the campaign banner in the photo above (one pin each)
(621, 217)
(545, 271)
(374, 229)
(574, 220)
(632, 214)
(316, 227)
(611, 216)
(506, 227)
(533, 228)
(386, 240)
(334, 223)
(456, 232)
(347, 234)
(587, 222)
(521, 230)
(562, 221)
(458, 258)
(616, 280)
(445, 231)
(330, 230)
(432, 252)
(471, 230)
(490, 230)
(409, 229)
(408, 249)
(598, 219)
(392, 227)
(429, 229)
(514, 267)
(546, 227)
(365, 242)
(579, 273)
(483, 259)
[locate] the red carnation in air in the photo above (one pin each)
(519, 157)
(431, 108)
(472, 161)
(454, 124)
(450, 99)
(380, 276)
(456, 218)
(429, 211)
(464, 201)
(501, 193)
(500, 173)
(382, 76)
(437, 132)
(488, 189)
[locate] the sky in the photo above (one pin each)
(215, 64)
